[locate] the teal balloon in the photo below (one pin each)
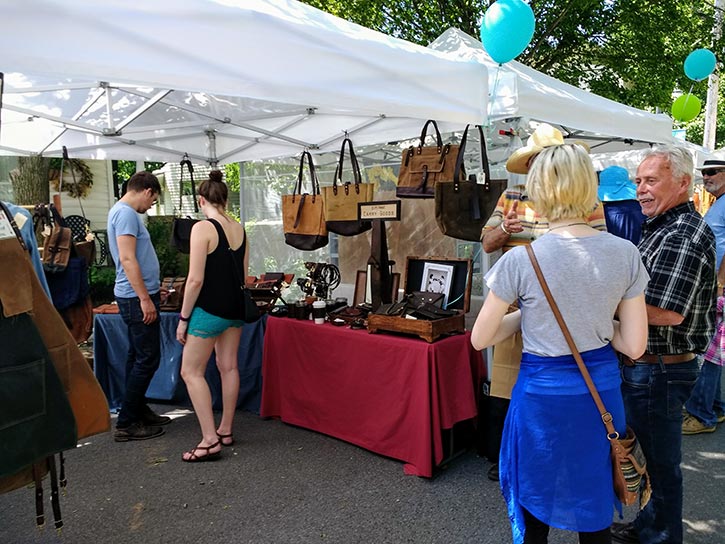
(699, 64)
(686, 108)
(507, 29)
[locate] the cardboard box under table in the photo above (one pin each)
(459, 299)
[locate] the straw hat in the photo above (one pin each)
(615, 185)
(544, 136)
(712, 163)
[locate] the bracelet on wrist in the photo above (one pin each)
(503, 228)
(184, 319)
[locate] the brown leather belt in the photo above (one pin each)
(651, 358)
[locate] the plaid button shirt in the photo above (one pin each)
(678, 251)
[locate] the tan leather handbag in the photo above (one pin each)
(341, 200)
(303, 214)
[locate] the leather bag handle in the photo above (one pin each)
(356, 174)
(439, 140)
(186, 162)
(313, 177)
(606, 416)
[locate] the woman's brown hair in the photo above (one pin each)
(214, 190)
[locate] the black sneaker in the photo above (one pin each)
(136, 431)
(624, 533)
(151, 418)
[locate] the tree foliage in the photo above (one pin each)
(631, 51)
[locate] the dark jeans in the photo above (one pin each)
(537, 532)
(705, 402)
(653, 398)
(144, 356)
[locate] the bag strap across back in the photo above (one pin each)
(606, 416)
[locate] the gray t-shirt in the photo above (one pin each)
(588, 278)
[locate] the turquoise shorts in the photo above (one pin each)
(205, 325)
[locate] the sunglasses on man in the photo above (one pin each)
(711, 172)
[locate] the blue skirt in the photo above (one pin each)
(555, 454)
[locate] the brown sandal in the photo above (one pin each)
(194, 458)
(223, 437)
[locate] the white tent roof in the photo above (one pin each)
(139, 80)
(520, 91)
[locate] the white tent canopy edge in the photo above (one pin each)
(227, 80)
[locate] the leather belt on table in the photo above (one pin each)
(651, 358)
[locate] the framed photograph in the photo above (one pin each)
(437, 278)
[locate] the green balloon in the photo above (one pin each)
(686, 108)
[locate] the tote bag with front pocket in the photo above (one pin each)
(341, 200)
(303, 214)
(424, 166)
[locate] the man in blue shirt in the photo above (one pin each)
(138, 293)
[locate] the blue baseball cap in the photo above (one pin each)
(614, 185)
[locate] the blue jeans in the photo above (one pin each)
(653, 398)
(705, 403)
(144, 356)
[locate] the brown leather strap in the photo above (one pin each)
(606, 416)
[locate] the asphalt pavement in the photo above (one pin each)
(282, 484)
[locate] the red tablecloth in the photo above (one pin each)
(389, 394)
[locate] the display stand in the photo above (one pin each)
(379, 275)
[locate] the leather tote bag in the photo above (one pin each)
(303, 214)
(175, 287)
(57, 243)
(424, 166)
(181, 227)
(341, 200)
(462, 206)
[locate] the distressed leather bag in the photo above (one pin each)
(462, 206)
(629, 466)
(303, 214)
(341, 200)
(424, 166)
(175, 289)
(57, 243)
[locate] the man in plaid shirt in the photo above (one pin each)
(678, 251)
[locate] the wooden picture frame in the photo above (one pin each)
(361, 280)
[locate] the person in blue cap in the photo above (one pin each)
(622, 212)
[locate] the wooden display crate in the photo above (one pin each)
(459, 299)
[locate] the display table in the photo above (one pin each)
(110, 349)
(389, 394)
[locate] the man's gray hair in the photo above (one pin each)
(680, 160)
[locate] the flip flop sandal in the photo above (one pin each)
(223, 437)
(194, 458)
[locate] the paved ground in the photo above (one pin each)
(281, 484)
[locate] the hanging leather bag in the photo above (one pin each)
(303, 214)
(181, 227)
(424, 166)
(341, 200)
(56, 244)
(462, 206)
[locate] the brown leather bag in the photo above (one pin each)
(341, 200)
(303, 214)
(424, 166)
(56, 249)
(174, 300)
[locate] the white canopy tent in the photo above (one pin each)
(224, 80)
(522, 93)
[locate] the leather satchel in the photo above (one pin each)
(424, 166)
(303, 214)
(462, 206)
(175, 288)
(341, 200)
(629, 467)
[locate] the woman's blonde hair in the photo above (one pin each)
(562, 183)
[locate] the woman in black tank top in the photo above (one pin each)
(210, 318)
